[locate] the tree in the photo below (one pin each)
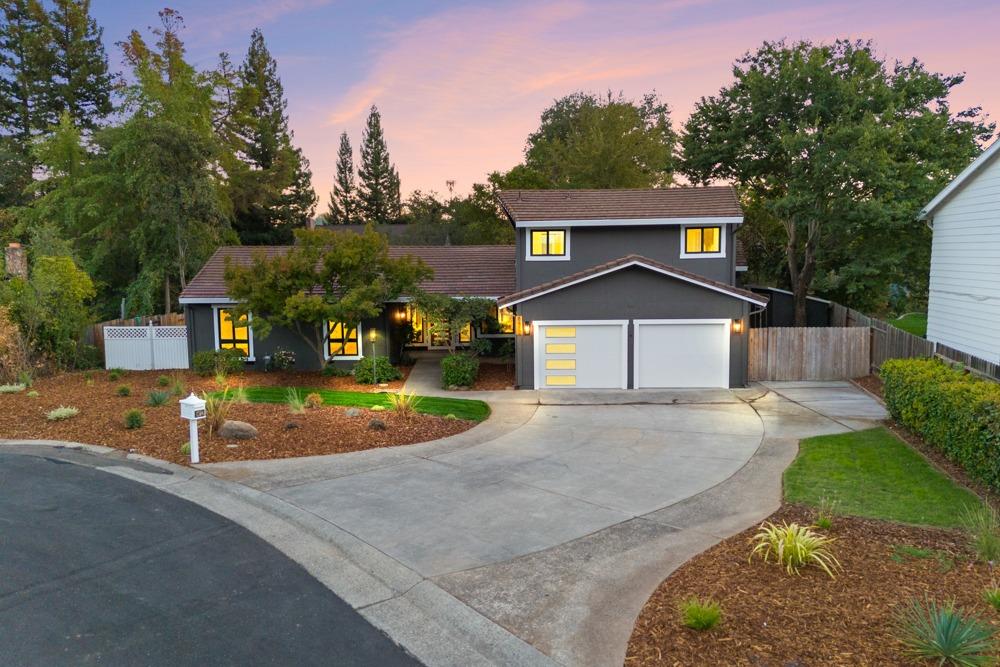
(379, 192)
(353, 273)
(449, 315)
(344, 203)
(471, 220)
(585, 141)
(273, 194)
(843, 150)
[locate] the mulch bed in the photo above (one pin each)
(324, 430)
(494, 377)
(771, 618)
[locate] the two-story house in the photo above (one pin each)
(602, 289)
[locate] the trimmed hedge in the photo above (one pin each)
(210, 362)
(373, 370)
(459, 370)
(952, 410)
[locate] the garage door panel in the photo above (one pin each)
(682, 354)
(580, 355)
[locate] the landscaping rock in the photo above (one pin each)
(237, 430)
(290, 426)
(352, 412)
(376, 424)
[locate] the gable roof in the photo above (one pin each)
(625, 262)
(608, 206)
(979, 163)
(458, 270)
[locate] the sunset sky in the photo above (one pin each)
(461, 84)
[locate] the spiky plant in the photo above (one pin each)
(941, 633)
(793, 547)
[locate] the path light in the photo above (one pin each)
(737, 326)
(193, 409)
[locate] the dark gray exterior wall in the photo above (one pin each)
(635, 294)
(201, 336)
(590, 246)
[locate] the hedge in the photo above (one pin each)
(459, 370)
(953, 411)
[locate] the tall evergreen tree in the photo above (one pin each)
(273, 195)
(343, 209)
(379, 191)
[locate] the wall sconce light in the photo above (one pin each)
(519, 325)
(737, 326)
(527, 328)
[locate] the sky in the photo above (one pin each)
(460, 85)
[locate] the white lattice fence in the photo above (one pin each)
(145, 348)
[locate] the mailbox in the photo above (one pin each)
(192, 407)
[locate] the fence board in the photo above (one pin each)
(146, 348)
(94, 334)
(809, 353)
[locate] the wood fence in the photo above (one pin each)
(94, 334)
(809, 353)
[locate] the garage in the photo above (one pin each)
(681, 353)
(588, 354)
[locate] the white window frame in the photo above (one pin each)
(539, 370)
(723, 233)
(326, 345)
(215, 327)
(546, 258)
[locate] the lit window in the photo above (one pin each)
(343, 341)
(233, 335)
(698, 240)
(416, 319)
(504, 318)
(465, 334)
(548, 242)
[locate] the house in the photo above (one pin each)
(602, 289)
(963, 308)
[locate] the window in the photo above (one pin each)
(343, 341)
(505, 320)
(702, 240)
(548, 243)
(232, 335)
(416, 319)
(465, 333)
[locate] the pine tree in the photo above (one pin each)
(379, 191)
(274, 195)
(79, 82)
(343, 208)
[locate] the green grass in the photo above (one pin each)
(460, 407)
(874, 474)
(914, 323)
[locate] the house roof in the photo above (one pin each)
(740, 255)
(622, 263)
(680, 203)
(458, 270)
(979, 163)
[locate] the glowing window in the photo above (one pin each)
(548, 242)
(505, 322)
(698, 240)
(465, 334)
(342, 341)
(233, 335)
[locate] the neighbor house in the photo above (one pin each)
(963, 308)
(602, 289)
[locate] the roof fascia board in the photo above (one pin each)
(203, 300)
(950, 189)
(623, 222)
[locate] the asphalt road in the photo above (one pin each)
(99, 570)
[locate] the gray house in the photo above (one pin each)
(602, 289)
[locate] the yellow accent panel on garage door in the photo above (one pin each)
(560, 332)
(560, 364)
(560, 348)
(560, 380)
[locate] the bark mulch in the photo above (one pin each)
(324, 430)
(771, 618)
(494, 377)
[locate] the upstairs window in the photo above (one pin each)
(232, 335)
(343, 341)
(703, 240)
(548, 243)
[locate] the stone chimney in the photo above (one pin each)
(16, 261)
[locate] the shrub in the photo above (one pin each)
(373, 370)
(825, 513)
(221, 379)
(115, 374)
(209, 362)
(157, 398)
(332, 370)
(238, 394)
(134, 419)
(378, 408)
(699, 614)
(217, 408)
(481, 347)
(177, 385)
(296, 405)
(15, 350)
(282, 359)
(123, 390)
(314, 400)
(403, 403)
(794, 546)
(951, 410)
(84, 356)
(32, 394)
(26, 378)
(12, 388)
(943, 634)
(459, 370)
(186, 449)
(60, 413)
(983, 524)
(163, 381)
(992, 597)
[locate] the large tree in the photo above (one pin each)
(842, 149)
(587, 141)
(343, 209)
(353, 272)
(272, 194)
(379, 191)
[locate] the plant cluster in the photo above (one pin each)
(12, 388)
(332, 370)
(115, 374)
(157, 398)
(217, 407)
(375, 370)
(134, 419)
(296, 404)
(404, 404)
(459, 370)
(61, 413)
(207, 363)
(983, 525)
(163, 381)
(699, 614)
(123, 390)
(313, 401)
(794, 546)
(282, 359)
(942, 633)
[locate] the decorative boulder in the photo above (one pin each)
(237, 430)
(376, 424)
(352, 412)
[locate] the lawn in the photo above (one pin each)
(873, 474)
(459, 407)
(914, 323)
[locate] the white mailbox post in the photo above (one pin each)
(193, 409)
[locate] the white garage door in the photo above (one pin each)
(681, 353)
(581, 354)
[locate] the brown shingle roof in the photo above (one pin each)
(621, 263)
(740, 254)
(680, 202)
(458, 270)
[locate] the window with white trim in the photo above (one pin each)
(703, 241)
(233, 334)
(548, 244)
(343, 341)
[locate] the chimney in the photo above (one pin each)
(16, 261)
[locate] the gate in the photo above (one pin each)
(145, 348)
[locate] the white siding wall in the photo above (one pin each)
(964, 306)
